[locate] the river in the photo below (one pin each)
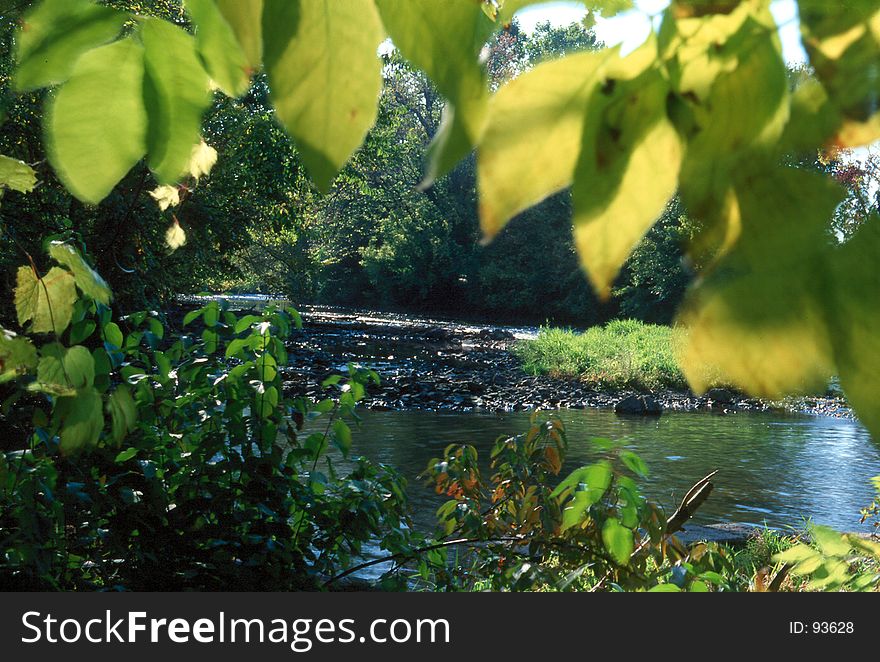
(774, 469)
(446, 381)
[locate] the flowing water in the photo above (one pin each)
(773, 469)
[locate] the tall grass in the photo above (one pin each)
(622, 354)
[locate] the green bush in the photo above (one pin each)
(173, 462)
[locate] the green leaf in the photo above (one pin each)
(532, 138)
(267, 368)
(87, 279)
(221, 52)
(757, 318)
(113, 334)
(665, 588)
(796, 554)
(81, 330)
(342, 436)
(830, 541)
(267, 401)
(96, 124)
(55, 34)
(741, 105)
(126, 455)
(47, 301)
(325, 77)
(618, 541)
(18, 356)
(192, 315)
(634, 463)
(212, 314)
(626, 173)
(594, 481)
(123, 413)
(63, 371)
(81, 420)
(177, 93)
(444, 40)
(17, 175)
(853, 313)
(596, 478)
(245, 18)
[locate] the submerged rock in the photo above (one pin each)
(638, 405)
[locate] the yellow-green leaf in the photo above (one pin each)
(96, 124)
(55, 33)
(223, 55)
(444, 40)
(626, 173)
(17, 175)
(245, 18)
(176, 91)
(532, 139)
(741, 109)
(18, 356)
(757, 319)
(325, 77)
(46, 302)
(618, 541)
(87, 279)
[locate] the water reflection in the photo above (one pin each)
(773, 469)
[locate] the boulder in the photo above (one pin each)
(638, 405)
(721, 396)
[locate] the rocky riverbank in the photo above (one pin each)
(440, 365)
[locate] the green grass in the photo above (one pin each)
(621, 354)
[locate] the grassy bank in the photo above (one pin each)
(621, 354)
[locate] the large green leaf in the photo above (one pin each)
(444, 40)
(532, 139)
(82, 420)
(245, 17)
(224, 57)
(325, 77)
(55, 33)
(586, 486)
(854, 318)
(757, 319)
(618, 541)
(732, 104)
(47, 302)
(176, 94)
(17, 175)
(18, 356)
(96, 124)
(626, 173)
(87, 279)
(64, 371)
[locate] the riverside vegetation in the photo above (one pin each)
(143, 456)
